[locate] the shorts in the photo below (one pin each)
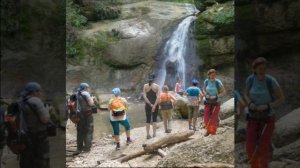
(193, 112)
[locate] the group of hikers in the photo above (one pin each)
(262, 94)
(156, 98)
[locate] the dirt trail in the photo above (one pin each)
(103, 153)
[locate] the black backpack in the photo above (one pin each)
(17, 138)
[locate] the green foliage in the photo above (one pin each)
(73, 44)
(101, 10)
(225, 17)
(181, 1)
(74, 16)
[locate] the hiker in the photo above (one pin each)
(151, 94)
(213, 89)
(263, 93)
(85, 125)
(166, 105)
(2, 132)
(36, 117)
(178, 87)
(194, 95)
(239, 105)
(118, 108)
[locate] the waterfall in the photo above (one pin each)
(174, 55)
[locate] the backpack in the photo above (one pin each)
(2, 129)
(17, 139)
(165, 105)
(218, 86)
(268, 81)
(73, 109)
(116, 105)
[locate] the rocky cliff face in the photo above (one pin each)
(270, 29)
(133, 44)
(215, 39)
(215, 34)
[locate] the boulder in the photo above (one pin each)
(181, 106)
(277, 164)
(217, 149)
(290, 151)
(103, 100)
(287, 129)
(228, 122)
(227, 109)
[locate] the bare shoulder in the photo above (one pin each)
(155, 87)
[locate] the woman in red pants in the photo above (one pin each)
(262, 94)
(212, 89)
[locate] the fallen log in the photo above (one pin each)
(170, 139)
(211, 165)
(149, 148)
(162, 153)
(289, 161)
(131, 156)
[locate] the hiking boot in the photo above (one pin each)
(128, 141)
(148, 137)
(195, 129)
(169, 131)
(118, 146)
(190, 127)
(77, 152)
(87, 150)
(206, 134)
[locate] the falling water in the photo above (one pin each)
(173, 58)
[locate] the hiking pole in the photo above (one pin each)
(257, 144)
(212, 113)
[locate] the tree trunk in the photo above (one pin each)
(211, 165)
(149, 148)
(170, 139)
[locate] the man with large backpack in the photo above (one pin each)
(213, 89)
(2, 132)
(85, 125)
(263, 93)
(27, 120)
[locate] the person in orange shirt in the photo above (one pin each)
(166, 105)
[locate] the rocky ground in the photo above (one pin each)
(198, 149)
(285, 142)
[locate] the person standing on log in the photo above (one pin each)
(263, 93)
(213, 89)
(194, 96)
(151, 94)
(166, 106)
(118, 108)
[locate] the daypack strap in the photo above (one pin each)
(216, 82)
(269, 82)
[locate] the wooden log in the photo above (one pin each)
(162, 153)
(131, 156)
(149, 148)
(211, 165)
(170, 139)
(289, 161)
